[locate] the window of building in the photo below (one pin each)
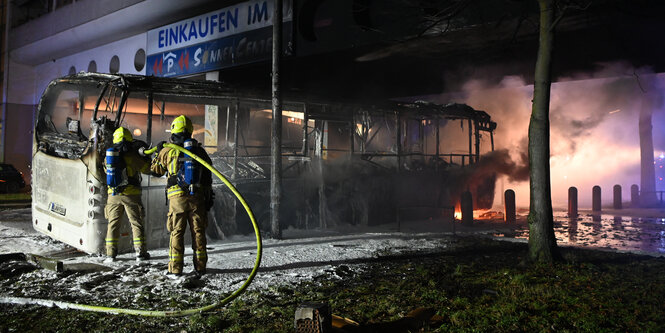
(92, 66)
(114, 66)
(27, 10)
(139, 60)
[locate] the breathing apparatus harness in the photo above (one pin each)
(190, 173)
(116, 169)
(116, 172)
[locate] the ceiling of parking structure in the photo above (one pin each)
(607, 31)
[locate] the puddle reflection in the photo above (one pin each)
(608, 231)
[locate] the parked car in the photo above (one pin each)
(11, 180)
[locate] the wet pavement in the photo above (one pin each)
(639, 231)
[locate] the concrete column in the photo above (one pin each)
(596, 199)
(617, 196)
(634, 196)
(509, 202)
(467, 208)
(572, 202)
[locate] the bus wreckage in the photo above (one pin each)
(364, 164)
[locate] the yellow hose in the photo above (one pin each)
(189, 312)
(152, 150)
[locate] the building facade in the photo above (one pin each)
(54, 38)
(355, 50)
(193, 39)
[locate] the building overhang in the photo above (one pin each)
(36, 42)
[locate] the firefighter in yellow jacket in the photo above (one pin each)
(189, 192)
(123, 176)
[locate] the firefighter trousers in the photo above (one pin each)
(184, 210)
(116, 206)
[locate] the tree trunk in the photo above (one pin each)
(542, 243)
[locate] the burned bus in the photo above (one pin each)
(354, 163)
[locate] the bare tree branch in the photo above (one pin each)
(569, 5)
(639, 83)
(446, 14)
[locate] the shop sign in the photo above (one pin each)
(234, 35)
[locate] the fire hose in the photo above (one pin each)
(156, 313)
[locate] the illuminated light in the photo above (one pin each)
(615, 111)
(565, 177)
(137, 132)
(661, 178)
(294, 120)
(286, 113)
(662, 155)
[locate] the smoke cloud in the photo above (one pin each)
(593, 123)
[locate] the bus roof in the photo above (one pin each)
(158, 85)
(211, 89)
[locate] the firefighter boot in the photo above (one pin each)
(110, 254)
(141, 254)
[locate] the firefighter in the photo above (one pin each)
(123, 177)
(189, 193)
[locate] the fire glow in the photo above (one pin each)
(589, 144)
(478, 214)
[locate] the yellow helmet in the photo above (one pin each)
(181, 124)
(122, 134)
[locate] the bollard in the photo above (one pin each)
(596, 199)
(634, 196)
(509, 209)
(617, 223)
(572, 201)
(617, 196)
(572, 229)
(467, 208)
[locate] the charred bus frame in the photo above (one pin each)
(343, 162)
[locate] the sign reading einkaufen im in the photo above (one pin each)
(231, 36)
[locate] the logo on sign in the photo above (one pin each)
(169, 60)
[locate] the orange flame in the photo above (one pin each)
(458, 212)
(478, 214)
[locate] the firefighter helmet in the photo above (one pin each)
(122, 134)
(181, 124)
